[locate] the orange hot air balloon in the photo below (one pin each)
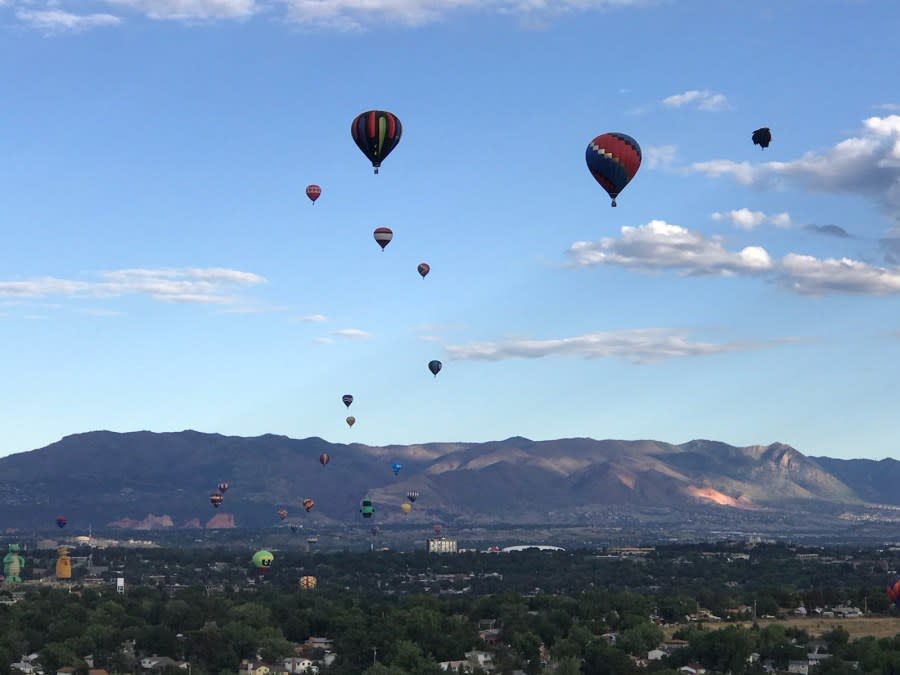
(216, 499)
(313, 192)
(308, 504)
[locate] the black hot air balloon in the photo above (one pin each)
(762, 137)
(376, 133)
(435, 367)
(347, 399)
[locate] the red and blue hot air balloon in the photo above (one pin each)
(613, 159)
(376, 133)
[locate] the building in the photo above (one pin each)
(442, 545)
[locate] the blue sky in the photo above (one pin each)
(162, 269)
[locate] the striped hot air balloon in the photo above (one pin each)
(376, 133)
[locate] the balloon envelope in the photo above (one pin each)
(376, 133)
(613, 159)
(383, 236)
(262, 560)
(324, 458)
(424, 269)
(347, 399)
(435, 367)
(351, 421)
(313, 192)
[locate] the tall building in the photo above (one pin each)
(442, 545)
(120, 584)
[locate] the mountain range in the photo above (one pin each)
(164, 480)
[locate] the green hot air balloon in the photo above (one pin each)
(262, 560)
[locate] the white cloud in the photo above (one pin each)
(352, 333)
(430, 338)
(893, 107)
(868, 165)
(746, 219)
(640, 345)
(323, 340)
(52, 21)
(192, 9)
(312, 318)
(355, 14)
(192, 285)
(701, 99)
(655, 156)
(661, 246)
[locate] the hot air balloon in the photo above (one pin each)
(308, 504)
(762, 137)
(412, 495)
(366, 508)
(424, 269)
(215, 499)
(61, 521)
(437, 530)
(405, 508)
(613, 159)
(375, 530)
(282, 513)
(324, 458)
(262, 560)
(351, 421)
(383, 236)
(376, 133)
(294, 529)
(894, 592)
(223, 487)
(347, 399)
(395, 467)
(435, 367)
(313, 192)
(308, 582)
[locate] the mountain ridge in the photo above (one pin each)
(122, 477)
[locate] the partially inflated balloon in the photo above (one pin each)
(613, 159)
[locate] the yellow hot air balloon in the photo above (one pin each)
(405, 508)
(351, 421)
(63, 563)
(308, 582)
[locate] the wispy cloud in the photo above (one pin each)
(828, 230)
(352, 333)
(187, 10)
(191, 285)
(312, 318)
(642, 345)
(52, 21)
(746, 219)
(867, 164)
(662, 246)
(705, 99)
(323, 340)
(892, 107)
(657, 156)
(343, 15)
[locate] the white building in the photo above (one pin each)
(442, 545)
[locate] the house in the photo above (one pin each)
(669, 646)
(491, 636)
(161, 662)
(692, 669)
(23, 667)
(483, 660)
(800, 667)
(295, 665)
(655, 654)
(456, 666)
(254, 668)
